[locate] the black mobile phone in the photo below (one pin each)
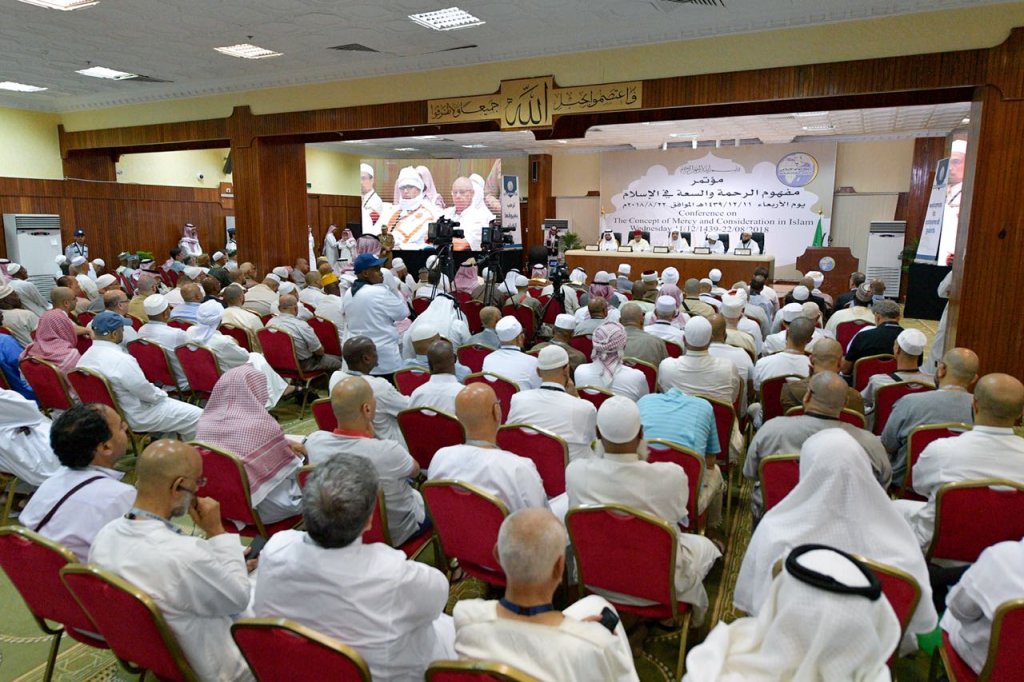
(255, 547)
(609, 619)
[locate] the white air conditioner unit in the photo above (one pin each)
(34, 241)
(885, 244)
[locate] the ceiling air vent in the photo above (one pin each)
(710, 3)
(353, 47)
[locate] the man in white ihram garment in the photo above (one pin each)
(146, 407)
(25, 440)
(665, 311)
(714, 243)
(199, 583)
(839, 503)
(621, 474)
(442, 315)
(825, 618)
(555, 406)
(510, 361)
(371, 310)
(469, 209)
(367, 595)
(409, 220)
(524, 630)
(746, 241)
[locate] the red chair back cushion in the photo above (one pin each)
(724, 418)
(281, 654)
(885, 401)
(1010, 651)
(868, 367)
(91, 389)
(153, 361)
(596, 398)
(525, 316)
(969, 520)
(548, 453)
(771, 398)
(179, 324)
(327, 333)
(847, 330)
(47, 382)
(583, 344)
(674, 349)
(427, 431)
(473, 356)
(224, 483)
(650, 373)
(502, 388)
(471, 309)
(324, 415)
(780, 477)
(554, 309)
(471, 543)
(408, 381)
(279, 351)
(200, 366)
(83, 344)
(420, 304)
(240, 336)
(693, 466)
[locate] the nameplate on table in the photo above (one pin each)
(591, 247)
(625, 249)
(660, 249)
(701, 251)
(742, 252)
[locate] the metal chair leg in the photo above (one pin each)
(51, 660)
(684, 630)
(9, 489)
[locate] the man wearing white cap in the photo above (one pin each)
(510, 361)
(715, 275)
(665, 311)
(522, 297)
(714, 243)
(480, 462)
(98, 267)
(740, 330)
(408, 221)
(909, 352)
(218, 269)
(704, 287)
(608, 242)
(156, 330)
(623, 283)
(859, 309)
(146, 407)
(620, 474)
(80, 271)
(698, 372)
(259, 299)
(817, 278)
(561, 336)
(30, 296)
(790, 312)
(62, 265)
(825, 618)
(288, 288)
(104, 283)
(372, 203)
(574, 290)
(638, 243)
(555, 406)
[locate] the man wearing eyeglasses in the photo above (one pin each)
(198, 584)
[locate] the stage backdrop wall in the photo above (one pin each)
(775, 189)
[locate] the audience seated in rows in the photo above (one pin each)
(509, 361)
(606, 369)
(439, 392)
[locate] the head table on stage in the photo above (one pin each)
(734, 268)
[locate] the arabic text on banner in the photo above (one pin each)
(510, 206)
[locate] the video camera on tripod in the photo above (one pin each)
(444, 231)
(494, 236)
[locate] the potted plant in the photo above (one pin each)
(570, 241)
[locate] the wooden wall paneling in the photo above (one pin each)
(210, 133)
(541, 204)
(927, 152)
(96, 164)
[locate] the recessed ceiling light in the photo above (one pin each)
(810, 114)
(406, 149)
(427, 137)
(247, 51)
(446, 19)
(819, 127)
(63, 5)
(684, 135)
(109, 74)
(563, 141)
(474, 146)
(966, 120)
(20, 87)
(355, 141)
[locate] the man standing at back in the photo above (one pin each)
(198, 584)
(372, 309)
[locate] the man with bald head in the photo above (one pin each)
(145, 286)
(640, 344)
(489, 316)
(360, 355)
(440, 390)
(191, 297)
(233, 297)
(597, 308)
(951, 403)
(825, 398)
(692, 303)
(480, 462)
(740, 359)
(569, 645)
(827, 356)
(308, 349)
(792, 361)
(64, 301)
(198, 584)
(990, 450)
(260, 298)
(354, 408)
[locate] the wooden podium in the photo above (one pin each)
(837, 277)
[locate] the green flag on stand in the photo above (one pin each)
(819, 236)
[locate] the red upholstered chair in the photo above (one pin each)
(227, 482)
(778, 474)
(180, 324)
(462, 296)
(902, 591)
(408, 379)
(475, 671)
(327, 332)
(32, 564)
(725, 420)
(594, 394)
(885, 400)
(170, 278)
(920, 438)
(239, 334)
(450, 503)
(503, 388)
(847, 330)
(130, 622)
(973, 515)
(136, 322)
(693, 465)
(324, 415)
(279, 350)
(865, 368)
(471, 309)
(155, 364)
(649, 370)
(50, 386)
(673, 349)
(525, 316)
(83, 343)
(420, 304)
(1005, 657)
(771, 396)
(548, 451)
(623, 550)
(92, 387)
(281, 649)
(426, 431)
(85, 317)
(584, 344)
(472, 356)
(553, 310)
(265, 319)
(201, 368)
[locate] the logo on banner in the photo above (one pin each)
(796, 169)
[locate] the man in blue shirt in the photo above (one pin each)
(690, 422)
(10, 351)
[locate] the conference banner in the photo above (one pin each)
(931, 232)
(510, 206)
(775, 189)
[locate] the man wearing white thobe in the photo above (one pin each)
(608, 241)
(361, 357)
(372, 309)
(665, 311)
(555, 407)
(146, 407)
(89, 440)
(510, 361)
(746, 241)
(618, 475)
(25, 440)
(369, 596)
(235, 315)
(31, 298)
(712, 242)
(638, 243)
(698, 372)
(162, 334)
(443, 386)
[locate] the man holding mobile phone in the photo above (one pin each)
(522, 629)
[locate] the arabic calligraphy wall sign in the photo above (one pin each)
(535, 103)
